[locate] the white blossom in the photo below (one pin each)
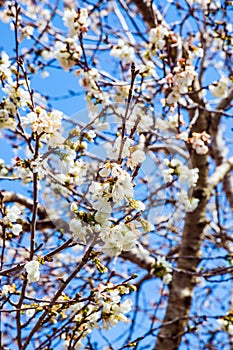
(123, 188)
(199, 142)
(188, 175)
(220, 88)
(33, 271)
(55, 139)
(119, 238)
(13, 213)
(40, 121)
(138, 157)
(161, 260)
(113, 310)
(67, 53)
(174, 96)
(98, 190)
(123, 51)
(167, 175)
(78, 230)
(76, 21)
(105, 171)
(146, 225)
(185, 175)
(39, 167)
(74, 207)
(199, 52)
(167, 278)
(202, 149)
(136, 204)
(17, 228)
(184, 78)
(5, 65)
(18, 96)
(190, 204)
(88, 81)
(7, 288)
(79, 172)
(103, 213)
(157, 36)
(30, 312)
(115, 152)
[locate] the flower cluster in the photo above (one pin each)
(13, 214)
(94, 95)
(180, 81)
(16, 97)
(33, 271)
(119, 238)
(145, 118)
(123, 51)
(123, 145)
(190, 204)
(5, 67)
(157, 36)
(199, 141)
(226, 323)
(115, 186)
(67, 52)
(41, 121)
(125, 148)
(106, 305)
(163, 269)
(79, 230)
(87, 317)
(76, 21)
(147, 69)
(112, 309)
(220, 88)
(172, 123)
(186, 176)
(102, 193)
(8, 289)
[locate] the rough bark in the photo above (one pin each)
(146, 12)
(182, 286)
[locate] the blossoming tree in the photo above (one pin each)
(116, 223)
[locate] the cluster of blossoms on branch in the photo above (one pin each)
(186, 177)
(105, 305)
(199, 142)
(221, 88)
(10, 219)
(115, 186)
